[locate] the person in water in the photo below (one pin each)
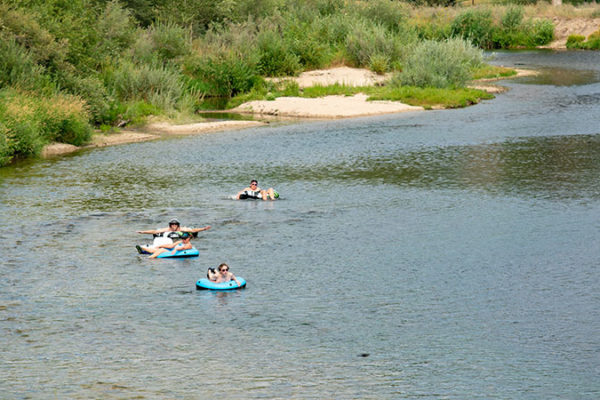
(183, 244)
(166, 235)
(223, 275)
(254, 192)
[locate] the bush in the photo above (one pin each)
(17, 67)
(227, 75)
(302, 39)
(275, 58)
(368, 40)
(22, 26)
(379, 63)
(160, 86)
(92, 90)
(28, 122)
(161, 43)
(446, 64)
(512, 18)
(575, 41)
(580, 42)
(390, 14)
(475, 26)
(116, 30)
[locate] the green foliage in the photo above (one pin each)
(512, 31)
(136, 111)
(475, 26)
(18, 68)
(389, 14)
(116, 30)
(27, 123)
(226, 75)
(487, 71)
(367, 40)
(22, 26)
(580, 42)
(93, 91)
(512, 18)
(161, 43)
(331, 90)
(575, 41)
(446, 64)
(275, 58)
(379, 63)
(159, 86)
(432, 97)
(303, 40)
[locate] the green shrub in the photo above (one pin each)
(116, 30)
(446, 64)
(275, 58)
(367, 40)
(17, 67)
(390, 14)
(163, 42)
(512, 18)
(290, 89)
(475, 26)
(22, 26)
(227, 75)
(575, 41)
(160, 86)
(580, 42)
(5, 153)
(28, 122)
(303, 40)
(379, 63)
(92, 90)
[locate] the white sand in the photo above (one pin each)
(324, 107)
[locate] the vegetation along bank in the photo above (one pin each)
(71, 69)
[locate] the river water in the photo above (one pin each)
(435, 255)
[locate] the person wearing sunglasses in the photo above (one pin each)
(183, 244)
(167, 235)
(223, 274)
(254, 192)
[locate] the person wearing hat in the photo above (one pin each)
(183, 244)
(166, 235)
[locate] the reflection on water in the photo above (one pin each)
(554, 167)
(562, 77)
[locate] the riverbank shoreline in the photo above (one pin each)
(327, 107)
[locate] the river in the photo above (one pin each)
(448, 254)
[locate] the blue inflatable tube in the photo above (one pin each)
(205, 284)
(193, 252)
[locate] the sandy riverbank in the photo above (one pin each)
(328, 107)
(325, 107)
(152, 131)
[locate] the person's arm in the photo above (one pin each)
(235, 279)
(151, 232)
(195, 230)
(154, 231)
(241, 192)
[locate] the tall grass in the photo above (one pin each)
(447, 64)
(27, 123)
(580, 42)
(158, 85)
